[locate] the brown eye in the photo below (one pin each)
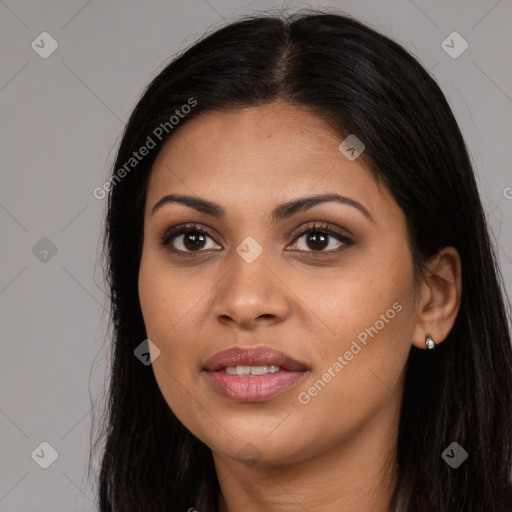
(187, 239)
(318, 238)
(193, 240)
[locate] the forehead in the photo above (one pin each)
(261, 155)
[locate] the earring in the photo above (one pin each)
(429, 342)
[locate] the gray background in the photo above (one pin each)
(62, 118)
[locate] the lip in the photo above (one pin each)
(257, 388)
(254, 356)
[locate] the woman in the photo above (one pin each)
(296, 243)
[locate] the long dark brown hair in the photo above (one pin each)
(360, 82)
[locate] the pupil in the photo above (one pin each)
(317, 243)
(194, 240)
(193, 237)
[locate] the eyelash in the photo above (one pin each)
(316, 227)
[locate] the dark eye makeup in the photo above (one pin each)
(318, 230)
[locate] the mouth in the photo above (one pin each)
(253, 374)
(251, 371)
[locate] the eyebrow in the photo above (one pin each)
(280, 213)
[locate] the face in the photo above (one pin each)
(329, 284)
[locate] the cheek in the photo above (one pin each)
(354, 297)
(370, 318)
(167, 299)
(169, 309)
(359, 379)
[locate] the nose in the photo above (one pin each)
(251, 295)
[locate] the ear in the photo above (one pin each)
(439, 297)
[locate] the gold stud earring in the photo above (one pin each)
(429, 342)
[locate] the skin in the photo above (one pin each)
(335, 453)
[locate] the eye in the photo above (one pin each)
(187, 238)
(190, 238)
(317, 240)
